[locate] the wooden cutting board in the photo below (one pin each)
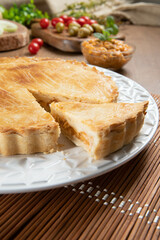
(61, 41)
(18, 39)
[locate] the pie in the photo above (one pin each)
(100, 128)
(28, 85)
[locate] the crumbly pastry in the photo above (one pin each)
(25, 127)
(100, 128)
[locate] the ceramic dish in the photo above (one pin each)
(112, 55)
(26, 173)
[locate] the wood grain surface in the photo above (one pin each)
(143, 68)
(18, 39)
(61, 41)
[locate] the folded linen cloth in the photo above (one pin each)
(136, 13)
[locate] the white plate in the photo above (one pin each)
(26, 173)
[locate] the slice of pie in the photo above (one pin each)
(25, 127)
(100, 128)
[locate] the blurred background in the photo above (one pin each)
(146, 12)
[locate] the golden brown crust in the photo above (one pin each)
(20, 112)
(59, 79)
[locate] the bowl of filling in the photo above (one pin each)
(112, 54)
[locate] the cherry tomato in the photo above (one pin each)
(56, 20)
(39, 41)
(92, 21)
(33, 47)
(44, 23)
(81, 21)
(70, 21)
(65, 18)
(87, 19)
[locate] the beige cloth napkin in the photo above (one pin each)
(138, 13)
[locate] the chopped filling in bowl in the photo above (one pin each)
(111, 54)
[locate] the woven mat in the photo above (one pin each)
(122, 204)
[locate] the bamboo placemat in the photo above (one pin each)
(122, 204)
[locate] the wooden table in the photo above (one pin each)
(122, 204)
(144, 67)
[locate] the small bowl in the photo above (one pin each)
(112, 54)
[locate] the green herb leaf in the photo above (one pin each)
(100, 36)
(115, 29)
(110, 21)
(24, 14)
(106, 34)
(110, 30)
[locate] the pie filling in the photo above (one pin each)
(71, 133)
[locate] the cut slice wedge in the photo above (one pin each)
(25, 127)
(100, 128)
(8, 26)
